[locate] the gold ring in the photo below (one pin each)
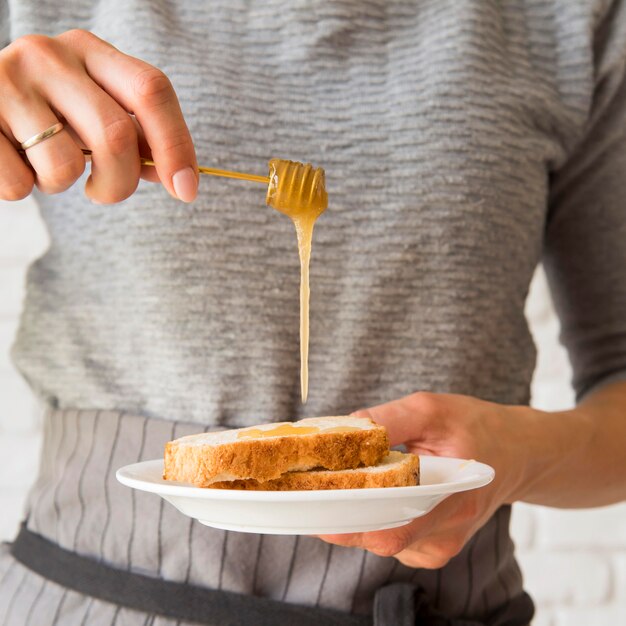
(39, 137)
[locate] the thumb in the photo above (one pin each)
(406, 419)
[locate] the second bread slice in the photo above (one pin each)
(395, 470)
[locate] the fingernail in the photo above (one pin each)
(185, 184)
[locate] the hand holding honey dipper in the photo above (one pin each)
(89, 90)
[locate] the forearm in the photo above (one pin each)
(575, 458)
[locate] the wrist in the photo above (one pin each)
(547, 446)
(517, 430)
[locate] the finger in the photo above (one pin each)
(106, 129)
(146, 92)
(444, 518)
(148, 172)
(348, 540)
(411, 418)
(380, 542)
(431, 552)
(56, 161)
(16, 178)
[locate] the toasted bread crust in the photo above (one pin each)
(268, 458)
(404, 474)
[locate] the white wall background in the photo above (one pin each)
(574, 561)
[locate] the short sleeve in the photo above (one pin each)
(585, 240)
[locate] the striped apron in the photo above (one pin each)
(95, 552)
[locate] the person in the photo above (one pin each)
(463, 142)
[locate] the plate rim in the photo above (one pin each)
(473, 481)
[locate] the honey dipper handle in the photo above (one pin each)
(255, 178)
(227, 173)
(212, 171)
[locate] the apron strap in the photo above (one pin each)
(396, 604)
(404, 604)
(169, 599)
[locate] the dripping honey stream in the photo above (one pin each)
(299, 191)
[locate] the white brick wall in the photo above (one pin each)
(574, 561)
(22, 238)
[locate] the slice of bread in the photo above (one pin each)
(395, 470)
(268, 451)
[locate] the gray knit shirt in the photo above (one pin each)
(464, 141)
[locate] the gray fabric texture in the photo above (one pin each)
(464, 141)
(5, 22)
(439, 157)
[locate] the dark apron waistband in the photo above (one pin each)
(168, 599)
(397, 604)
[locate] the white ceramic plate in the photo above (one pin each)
(312, 512)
